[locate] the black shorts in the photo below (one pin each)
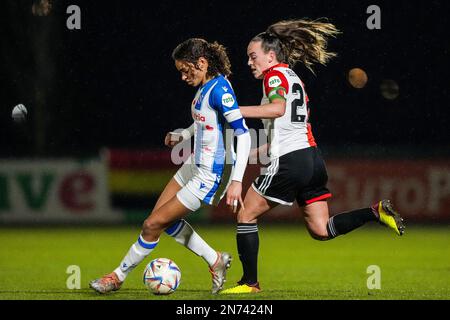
(299, 175)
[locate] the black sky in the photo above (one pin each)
(113, 83)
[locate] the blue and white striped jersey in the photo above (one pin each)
(215, 110)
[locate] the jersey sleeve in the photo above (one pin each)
(275, 85)
(224, 101)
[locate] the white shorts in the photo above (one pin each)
(200, 185)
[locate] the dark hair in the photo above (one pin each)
(299, 40)
(193, 49)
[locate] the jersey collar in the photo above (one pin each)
(280, 65)
(210, 82)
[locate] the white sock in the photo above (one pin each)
(185, 235)
(138, 251)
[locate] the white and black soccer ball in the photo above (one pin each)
(19, 113)
(162, 276)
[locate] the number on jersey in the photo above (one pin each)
(297, 106)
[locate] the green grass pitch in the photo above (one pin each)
(33, 263)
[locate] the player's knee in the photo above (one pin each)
(251, 212)
(244, 219)
(151, 225)
(241, 216)
(320, 234)
(245, 216)
(320, 237)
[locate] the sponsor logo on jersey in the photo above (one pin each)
(228, 100)
(274, 82)
(209, 128)
(198, 117)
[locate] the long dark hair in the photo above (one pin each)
(193, 49)
(299, 40)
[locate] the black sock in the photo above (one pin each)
(345, 222)
(248, 245)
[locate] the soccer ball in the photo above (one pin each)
(162, 276)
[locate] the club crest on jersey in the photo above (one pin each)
(277, 92)
(274, 82)
(228, 100)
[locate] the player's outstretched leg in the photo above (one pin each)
(113, 281)
(323, 228)
(219, 271)
(388, 216)
(152, 228)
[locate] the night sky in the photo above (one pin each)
(113, 83)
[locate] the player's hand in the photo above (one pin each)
(234, 198)
(172, 139)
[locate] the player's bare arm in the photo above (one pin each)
(272, 110)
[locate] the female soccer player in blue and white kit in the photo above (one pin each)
(297, 171)
(205, 176)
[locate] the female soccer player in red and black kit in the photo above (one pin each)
(297, 170)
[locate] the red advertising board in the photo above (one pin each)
(419, 189)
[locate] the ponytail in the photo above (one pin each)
(299, 40)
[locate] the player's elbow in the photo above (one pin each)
(280, 113)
